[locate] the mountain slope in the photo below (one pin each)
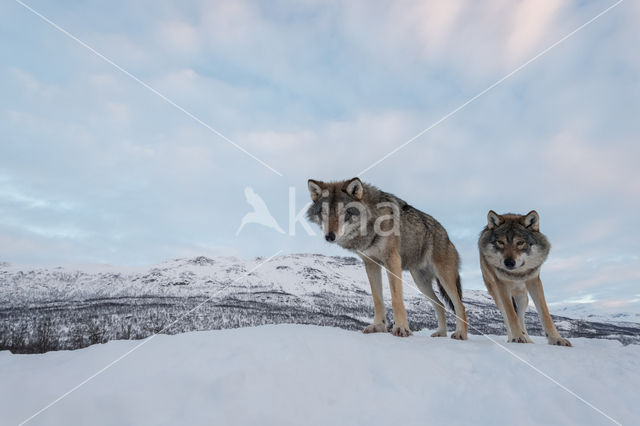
(44, 309)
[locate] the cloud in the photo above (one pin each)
(320, 90)
(106, 82)
(589, 166)
(49, 232)
(234, 24)
(11, 195)
(532, 21)
(118, 112)
(30, 85)
(180, 36)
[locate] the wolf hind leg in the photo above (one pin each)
(449, 279)
(424, 282)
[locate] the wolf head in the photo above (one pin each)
(339, 208)
(513, 243)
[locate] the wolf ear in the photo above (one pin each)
(532, 220)
(315, 189)
(355, 188)
(494, 219)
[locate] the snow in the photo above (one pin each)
(599, 311)
(309, 375)
(20, 284)
(296, 274)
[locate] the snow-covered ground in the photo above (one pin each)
(309, 375)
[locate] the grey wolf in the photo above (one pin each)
(384, 230)
(512, 251)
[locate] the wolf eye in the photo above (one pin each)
(520, 244)
(499, 243)
(352, 211)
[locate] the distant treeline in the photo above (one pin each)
(74, 325)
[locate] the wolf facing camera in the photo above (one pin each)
(512, 251)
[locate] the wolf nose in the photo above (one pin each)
(509, 263)
(330, 237)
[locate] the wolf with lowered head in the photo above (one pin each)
(384, 230)
(512, 251)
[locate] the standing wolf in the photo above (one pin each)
(383, 229)
(512, 250)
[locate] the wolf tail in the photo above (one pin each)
(446, 297)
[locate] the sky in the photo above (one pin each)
(138, 141)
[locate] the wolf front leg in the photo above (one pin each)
(375, 280)
(424, 281)
(521, 301)
(514, 330)
(394, 271)
(534, 286)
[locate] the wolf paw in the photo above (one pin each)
(521, 339)
(459, 335)
(559, 341)
(400, 331)
(375, 328)
(440, 333)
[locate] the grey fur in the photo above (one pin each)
(512, 251)
(420, 232)
(536, 252)
(420, 235)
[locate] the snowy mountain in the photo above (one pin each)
(66, 308)
(308, 375)
(593, 312)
